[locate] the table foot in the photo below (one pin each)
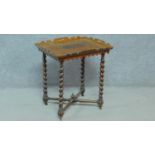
(45, 100)
(60, 114)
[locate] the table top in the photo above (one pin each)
(73, 47)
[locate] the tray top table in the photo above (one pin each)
(74, 47)
(62, 49)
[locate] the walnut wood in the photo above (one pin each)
(101, 81)
(45, 92)
(73, 47)
(66, 48)
(82, 87)
(61, 89)
(77, 100)
(72, 100)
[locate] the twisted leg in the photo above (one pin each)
(101, 81)
(82, 76)
(61, 89)
(45, 94)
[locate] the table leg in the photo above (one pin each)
(61, 89)
(101, 81)
(82, 76)
(45, 93)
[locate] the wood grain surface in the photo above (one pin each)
(73, 47)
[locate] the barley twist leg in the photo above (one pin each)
(101, 81)
(82, 88)
(61, 89)
(45, 93)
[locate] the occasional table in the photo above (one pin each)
(68, 48)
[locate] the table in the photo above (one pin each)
(69, 48)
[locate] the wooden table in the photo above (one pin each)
(68, 48)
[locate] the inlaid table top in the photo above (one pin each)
(73, 47)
